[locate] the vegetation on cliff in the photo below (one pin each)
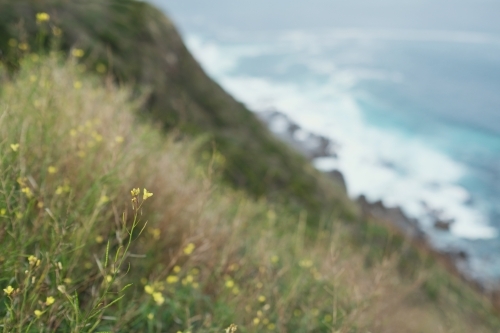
(281, 249)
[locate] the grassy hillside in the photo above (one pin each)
(227, 238)
(80, 252)
(139, 45)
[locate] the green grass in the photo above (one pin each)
(207, 256)
(235, 214)
(141, 47)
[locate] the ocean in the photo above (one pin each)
(414, 108)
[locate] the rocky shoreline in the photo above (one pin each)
(314, 146)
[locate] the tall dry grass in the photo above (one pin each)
(77, 254)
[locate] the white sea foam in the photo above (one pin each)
(377, 163)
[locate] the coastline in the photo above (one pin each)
(312, 145)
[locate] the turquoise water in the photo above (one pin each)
(409, 91)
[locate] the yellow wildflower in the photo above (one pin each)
(23, 46)
(38, 313)
(100, 68)
(34, 261)
(77, 53)
(42, 17)
(99, 239)
(275, 259)
(62, 288)
(103, 199)
(151, 316)
(158, 298)
(229, 284)
(77, 85)
(172, 279)
(52, 169)
(119, 139)
(27, 192)
(109, 278)
(149, 289)
(50, 300)
(176, 269)
(14, 146)
(271, 327)
(236, 290)
(262, 298)
(305, 263)
(67, 280)
(232, 328)
(135, 192)
(9, 290)
(189, 248)
(256, 321)
(146, 194)
(3, 211)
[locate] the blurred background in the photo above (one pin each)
(408, 90)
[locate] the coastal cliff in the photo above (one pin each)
(241, 227)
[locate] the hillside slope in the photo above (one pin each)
(140, 46)
(209, 251)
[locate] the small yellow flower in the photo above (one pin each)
(3, 211)
(172, 279)
(14, 146)
(33, 261)
(275, 259)
(232, 328)
(99, 239)
(9, 290)
(100, 68)
(189, 249)
(271, 327)
(262, 298)
(151, 316)
(148, 289)
(176, 269)
(119, 139)
(109, 278)
(23, 46)
(62, 288)
(50, 300)
(306, 263)
(135, 192)
(67, 280)
(229, 284)
(103, 199)
(146, 194)
(77, 85)
(77, 53)
(52, 169)
(38, 313)
(236, 290)
(42, 17)
(256, 321)
(158, 298)
(27, 192)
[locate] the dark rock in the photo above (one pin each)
(443, 224)
(338, 177)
